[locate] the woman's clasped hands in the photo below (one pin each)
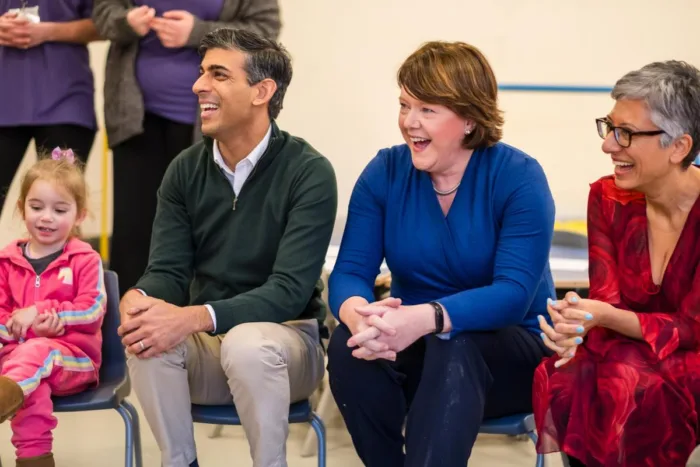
(173, 28)
(384, 328)
(571, 318)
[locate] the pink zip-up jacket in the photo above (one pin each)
(73, 285)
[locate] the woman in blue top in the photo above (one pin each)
(465, 224)
(47, 91)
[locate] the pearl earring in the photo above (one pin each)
(467, 131)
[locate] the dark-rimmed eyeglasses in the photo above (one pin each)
(623, 136)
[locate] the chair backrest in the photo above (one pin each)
(113, 357)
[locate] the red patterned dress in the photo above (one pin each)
(622, 401)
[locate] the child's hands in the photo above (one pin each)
(48, 325)
(20, 321)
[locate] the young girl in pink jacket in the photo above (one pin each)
(52, 302)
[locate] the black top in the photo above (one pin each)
(40, 264)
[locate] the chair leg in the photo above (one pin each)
(216, 432)
(320, 430)
(128, 422)
(565, 460)
(540, 457)
(138, 455)
(324, 410)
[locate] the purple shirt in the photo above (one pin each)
(51, 83)
(166, 75)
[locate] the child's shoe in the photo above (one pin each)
(11, 398)
(45, 460)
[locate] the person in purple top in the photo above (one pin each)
(150, 109)
(47, 91)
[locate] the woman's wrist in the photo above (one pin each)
(347, 314)
(604, 314)
(50, 33)
(425, 316)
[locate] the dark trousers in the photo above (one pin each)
(15, 140)
(139, 165)
(446, 387)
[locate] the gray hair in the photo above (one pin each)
(265, 59)
(671, 90)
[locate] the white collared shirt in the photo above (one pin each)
(237, 178)
(245, 167)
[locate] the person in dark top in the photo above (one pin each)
(150, 112)
(229, 308)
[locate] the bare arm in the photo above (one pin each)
(622, 321)
(82, 31)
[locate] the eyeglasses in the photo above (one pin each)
(623, 136)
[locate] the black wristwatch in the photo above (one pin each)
(439, 317)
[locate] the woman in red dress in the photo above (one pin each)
(623, 389)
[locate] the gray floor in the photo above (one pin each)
(96, 439)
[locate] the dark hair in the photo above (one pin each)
(671, 90)
(457, 76)
(265, 59)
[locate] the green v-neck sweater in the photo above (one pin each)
(255, 258)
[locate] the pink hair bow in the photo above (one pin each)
(57, 154)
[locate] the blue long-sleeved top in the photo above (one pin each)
(486, 262)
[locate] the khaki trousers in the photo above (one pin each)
(261, 367)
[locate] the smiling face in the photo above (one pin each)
(50, 214)
(226, 99)
(433, 132)
(644, 162)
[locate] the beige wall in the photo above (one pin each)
(343, 98)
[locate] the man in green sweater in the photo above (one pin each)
(229, 308)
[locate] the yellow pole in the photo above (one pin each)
(104, 213)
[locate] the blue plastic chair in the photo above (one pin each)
(114, 383)
(299, 412)
(513, 425)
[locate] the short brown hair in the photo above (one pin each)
(68, 175)
(457, 76)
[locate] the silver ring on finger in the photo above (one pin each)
(143, 347)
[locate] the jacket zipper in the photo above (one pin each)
(37, 284)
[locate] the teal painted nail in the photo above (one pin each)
(578, 340)
(542, 335)
(574, 299)
(579, 329)
(589, 316)
(549, 301)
